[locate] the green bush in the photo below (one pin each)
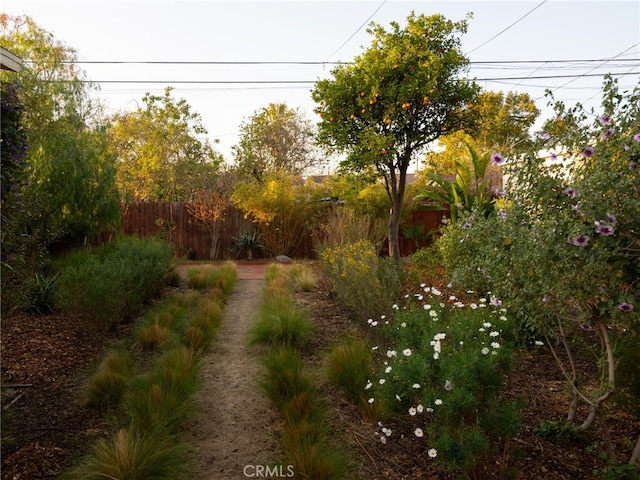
(281, 321)
(107, 386)
(445, 367)
(366, 284)
(113, 283)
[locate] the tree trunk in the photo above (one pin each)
(394, 232)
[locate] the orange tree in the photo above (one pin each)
(401, 94)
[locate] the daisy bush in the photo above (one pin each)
(562, 247)
(442, 371)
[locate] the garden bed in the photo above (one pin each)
(46, 427)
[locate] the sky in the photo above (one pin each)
(527, 46)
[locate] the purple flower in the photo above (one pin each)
(636, 137)
(586, 327)
(545, 136)
(496, 302)
(579, 241)
(612, 219)
(633, 166)
(497, 159)
(605, 119)
(553, 156)
(607, 133)
(604, 229)
(570, 192)
(588, 152)
(625, 307)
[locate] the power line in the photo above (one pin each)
(171, 62)
(504, 30)
(359, 28)
(301, 82)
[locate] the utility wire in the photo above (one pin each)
(359, 28)
(484, 62)
(504, 30)
(299, 82)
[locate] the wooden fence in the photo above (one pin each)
(171, 221)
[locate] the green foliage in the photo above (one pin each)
(445, 366)
(301, 278)
(349, 367)
(281, 207)
(42, 295)
(285, 377)
(503, 125)
(465, 193)
(365, 284)
(557, 430)
(281, 321)
(223, 277)
(343, 226)
(401, 94)
(13, 242)
(562, 246)
(160, 400)
(158, 151)
(69, 192)
(275, 139)
(247, 242)
(132, 455)
(112, 283)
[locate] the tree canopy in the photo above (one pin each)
(503, 123)
(69, 191)
(402, 93)
(159, 153)
(276, 138)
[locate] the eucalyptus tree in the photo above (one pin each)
(402, 93)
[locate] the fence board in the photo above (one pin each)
(170, 220)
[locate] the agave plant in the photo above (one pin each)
(248, 242)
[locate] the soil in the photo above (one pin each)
(45, 428)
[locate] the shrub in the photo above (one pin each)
(302, 278)
(113, 282)
(42, 295)
(344, 226)
(132, 455)
(445, 368)
(365, 284)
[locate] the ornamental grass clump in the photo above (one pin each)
(160, 399)
(285, 377)
(107, 386)
(443, 371)
(133, 455)
(209, 276)
(349, 367)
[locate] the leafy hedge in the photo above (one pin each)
(112, 283)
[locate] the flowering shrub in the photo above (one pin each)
(563, 245)
(443, 370)
(365, 283)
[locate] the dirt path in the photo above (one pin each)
(234, 424)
